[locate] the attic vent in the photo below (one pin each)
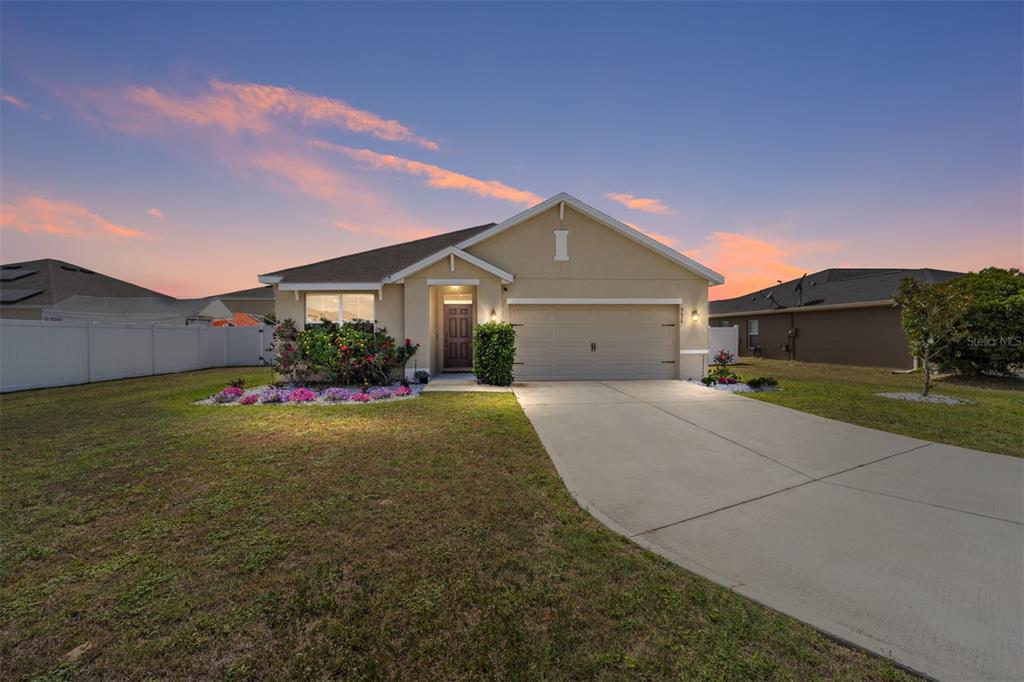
(69, 268)
(88, 272)
(10, 267)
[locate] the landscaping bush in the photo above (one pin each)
(720, 373)
(992, 326)
(494, 351)
(421, 376)
(763, 382)
(352, 353)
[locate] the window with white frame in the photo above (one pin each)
(753, 338)
(561, 244)
(339, 307)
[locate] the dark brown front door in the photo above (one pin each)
(458, 335)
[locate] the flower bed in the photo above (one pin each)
(304, 395)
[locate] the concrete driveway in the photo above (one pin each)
(908, 548)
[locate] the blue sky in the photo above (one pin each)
(189, 147)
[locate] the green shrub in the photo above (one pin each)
(992, 336)
(353, 353)
(763, 382)
(494, 351)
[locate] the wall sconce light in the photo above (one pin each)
(494, 315)
(694, 316)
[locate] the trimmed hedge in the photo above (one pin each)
(494, 351)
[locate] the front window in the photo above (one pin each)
(753, 339)
(338, 307)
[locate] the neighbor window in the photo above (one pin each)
(561, 244)
(753, 339)
(338, 307)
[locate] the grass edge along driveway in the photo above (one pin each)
(847, 393)
(429, 538)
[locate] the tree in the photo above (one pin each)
(993, 324)
(932, 318)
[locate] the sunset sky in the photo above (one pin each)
(189, 147)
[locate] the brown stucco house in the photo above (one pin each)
(840, 315)
(591, 297)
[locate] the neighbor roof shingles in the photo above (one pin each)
(830, 287)
(60, 280)
(375, 265)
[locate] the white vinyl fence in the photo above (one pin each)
(38, 354)
(723, 337)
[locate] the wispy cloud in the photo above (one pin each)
(751, 262)
(438, 177)
(49, 216)
(156, 213)
(11, 99)
(238, 107)
(641, 204)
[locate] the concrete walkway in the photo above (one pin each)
(908, 548)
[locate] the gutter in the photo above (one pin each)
(807, 309)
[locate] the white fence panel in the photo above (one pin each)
(37, 354)
(120, 351)
(32, 355)
(723, 337)
(177, 349)
(213, 346)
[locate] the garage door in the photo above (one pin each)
(595, 341)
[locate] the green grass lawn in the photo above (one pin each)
(994, 423)
(422, 539)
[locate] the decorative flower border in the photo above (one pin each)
(302, 395)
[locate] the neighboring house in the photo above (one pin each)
(257, 301)
(591, 298)
(141, 310)
(239, 320)
(839, 315)
(28, 287)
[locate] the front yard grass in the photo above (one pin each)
(422, 539)
(994, 423)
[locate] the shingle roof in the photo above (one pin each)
(375, 265)
(151, 307)
(256, 293)
(57, 280)
(831, 287)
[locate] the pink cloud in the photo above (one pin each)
(48, 216)
(11, 99)
(438, 177)
(640, 203)
(240, 107)
(156, 213)
(750, 263)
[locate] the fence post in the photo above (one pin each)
(90, 347)
(152, 347)
(199, 345)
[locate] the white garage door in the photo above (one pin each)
(595, 341)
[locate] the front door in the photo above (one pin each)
(458, 335)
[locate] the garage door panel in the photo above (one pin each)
(632, 342)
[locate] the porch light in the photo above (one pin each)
(694, 316)
(494, 315)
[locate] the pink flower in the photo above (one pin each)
(233, 391)
(249, 399)
(403, 391)
(301, 395)
(362, 397)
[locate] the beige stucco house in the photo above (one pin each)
(591, 298)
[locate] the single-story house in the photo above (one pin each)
(840, 315)
(591, 297)
(140, 310)
(26, 288)
(257, 301)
